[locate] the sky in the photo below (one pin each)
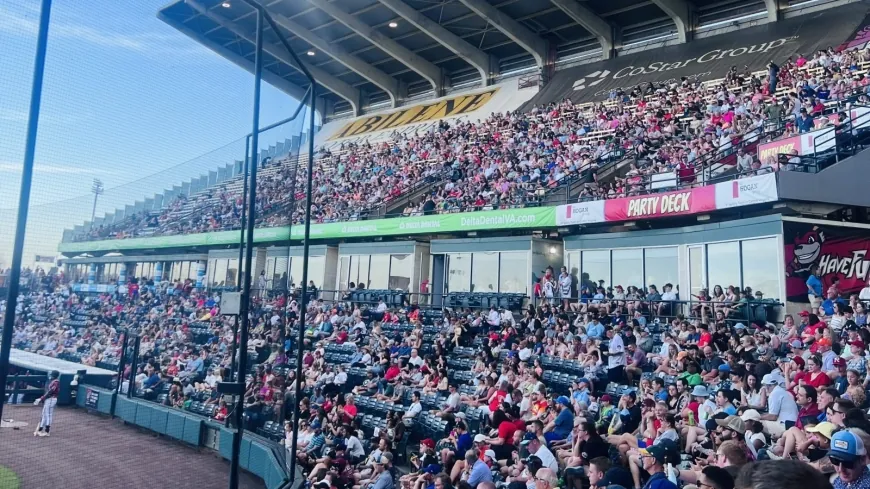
(126, 99)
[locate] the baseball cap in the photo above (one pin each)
(563, 401)
(804, 313)
(858, 343)
(490, 454)
(839, 362)
(385, 458)
(825, 428)
(700, 391)
(606, 398)
(435, 468)
(479, 438)
(772, 378)
(824, 342)
(846, 446)
(799, 361)
(616, 476)
(428, 442)
(796, 344)
(724, 367)
(750, 415)
(733, 423)
(659, 452)
(739, 326)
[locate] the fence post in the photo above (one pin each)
(134, 365)
(121, 366)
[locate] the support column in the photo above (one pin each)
(158, 272)
(92, 274)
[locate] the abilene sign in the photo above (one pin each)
(453, 106)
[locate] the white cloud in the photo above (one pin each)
(152, 44)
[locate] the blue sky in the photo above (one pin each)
(126, 96)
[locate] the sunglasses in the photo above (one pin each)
(846, 464)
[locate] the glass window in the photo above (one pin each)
(296, 271)
(761, 266)
(379, 271)
(400, 272)
(514, 273)
(662, 266)
(595, 268)
(458, 272)
(628, 268)
(484, 272)
(723, 264)
(220, 272)
(188, 270)
(343, 271)
(316, 270)
(233, 270)
(279, 270)
(270, 267)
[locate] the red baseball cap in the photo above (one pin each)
(804, 313)
(858, 343)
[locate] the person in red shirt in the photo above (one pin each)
(502, 443)
(816, 377)
(706, 337)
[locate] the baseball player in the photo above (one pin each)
(52, 389)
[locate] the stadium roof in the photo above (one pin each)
(378, 53)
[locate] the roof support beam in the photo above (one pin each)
(590, 21)
(287, 87)
(515, 31)
(681, 11)
(427, 70)
(772, 10)
(336, 86)
(485, 64)
(382, 80)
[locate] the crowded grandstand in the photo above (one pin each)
(595, 284)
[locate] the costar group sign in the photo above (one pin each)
(597, 77)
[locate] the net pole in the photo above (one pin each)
(24, 196)
(249, 242)
(303, 305)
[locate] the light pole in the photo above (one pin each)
(97, 190)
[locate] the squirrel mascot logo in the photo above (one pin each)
(807, 250)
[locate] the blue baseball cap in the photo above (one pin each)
(564, 401)
(724, 367)
(432, 469)
(847, 446)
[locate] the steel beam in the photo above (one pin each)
(517, 32)
(432, 73)
(336, 86)
(485, 64)
(382, 80)
(282, 84)
(590, 21)
(682, 13)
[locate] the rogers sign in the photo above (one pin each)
(598, 77)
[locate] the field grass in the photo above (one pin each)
(8, 479)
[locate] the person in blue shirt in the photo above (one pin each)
(814, 287)
(828, 304)
(654, 461)
(595, 329)
(805, 122)
(580, 391)
(561, 427)
(479, 471)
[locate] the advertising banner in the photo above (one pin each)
(839, 252)
(704, 59)
(531, 217)
(724, 195)
(805, 144)
(92, 398)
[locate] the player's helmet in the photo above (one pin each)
(54, 374)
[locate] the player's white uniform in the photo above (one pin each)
(49, 401)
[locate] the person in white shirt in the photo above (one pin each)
(451, 404)
(353, 446)
(415, 358)
(506, 317)
(341, 377)
(413, 410)
(616, 357)
(493, 318)
(864, 295)
(781, 406)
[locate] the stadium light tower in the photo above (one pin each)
(96, 189)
